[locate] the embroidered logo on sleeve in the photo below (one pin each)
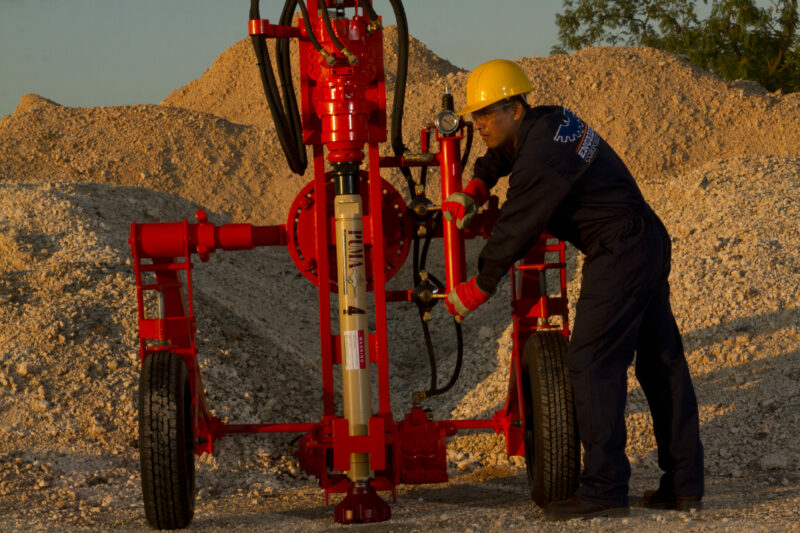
(587, 149)
(571, 128)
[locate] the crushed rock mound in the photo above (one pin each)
(718, 161)
(662, 115)
(223, 166)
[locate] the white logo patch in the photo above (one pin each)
(588, 147)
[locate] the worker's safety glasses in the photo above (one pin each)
(489, 112)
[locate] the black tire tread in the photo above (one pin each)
(167, 465)
(554, 474)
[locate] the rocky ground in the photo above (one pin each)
(718, 161)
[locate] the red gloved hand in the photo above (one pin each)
(463, 206)
(465, 298)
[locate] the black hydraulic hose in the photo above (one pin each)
(255, 13)
(400, 82)
(311, 37)
(436, 281)
(352, 59)
(457, 369)
(398, 147)
(426, 332)
(402, 76)
(409, 180)
(434, 391)
(288, 12)
(295, 153)
(415, 262)
(282, 128)
(470, 135)
(369, 10)
(459, 353)
(436, 219)
(283, 58)
(420, 265)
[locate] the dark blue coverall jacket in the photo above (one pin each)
(565, 178)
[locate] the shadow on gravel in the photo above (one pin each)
(751, 411)
(489, 492)
(483, 489)
(775, 320)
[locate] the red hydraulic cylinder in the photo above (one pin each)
(450, 167)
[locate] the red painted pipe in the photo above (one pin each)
(450, 167)
(170, 239)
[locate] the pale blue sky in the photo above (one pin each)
(118, 52)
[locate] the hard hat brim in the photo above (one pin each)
(477, 106)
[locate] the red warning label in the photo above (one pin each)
(355, 350)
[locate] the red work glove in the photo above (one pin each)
(465, 298)
(463, 206)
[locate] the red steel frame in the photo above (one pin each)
(412, 450)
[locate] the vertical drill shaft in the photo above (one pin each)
(351, 262)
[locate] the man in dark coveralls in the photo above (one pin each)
(565, 178)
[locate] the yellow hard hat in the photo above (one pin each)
(492, 81)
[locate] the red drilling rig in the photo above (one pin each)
(349, 231)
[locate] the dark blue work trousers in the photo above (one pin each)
(624, 310)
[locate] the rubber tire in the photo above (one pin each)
(552, 447)
(166, 447)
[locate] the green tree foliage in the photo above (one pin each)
(737, 40)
